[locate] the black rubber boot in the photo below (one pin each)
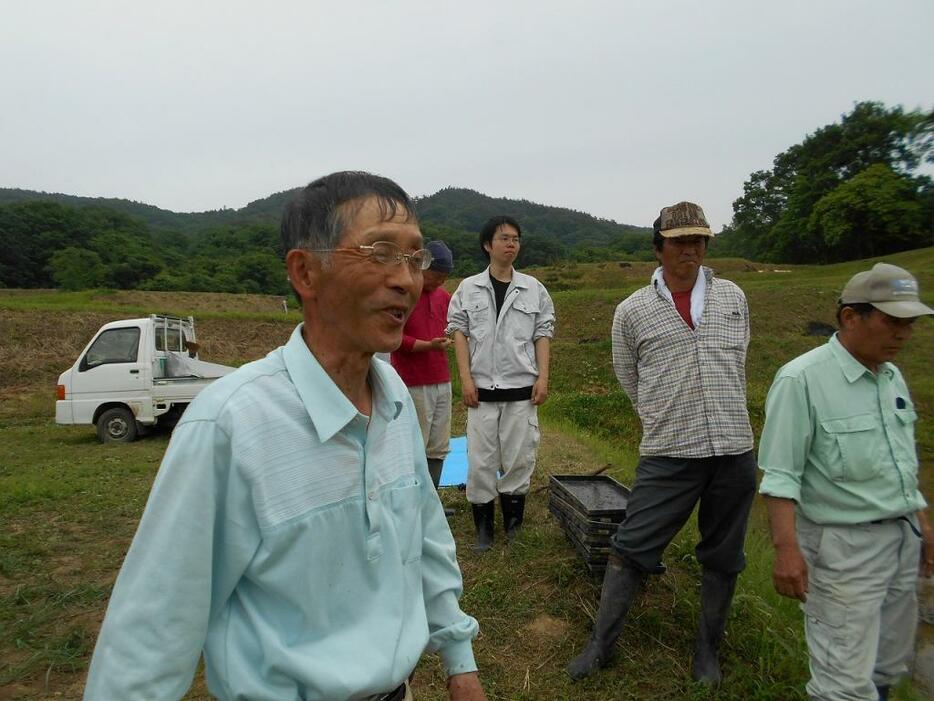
(434, 469)
(513, 506)
(621, 585)
(716, 595)
(483, 515)
(883, 692)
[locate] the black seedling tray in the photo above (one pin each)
(589, 509)
(594, 561)
(599, 497)
(600, 529)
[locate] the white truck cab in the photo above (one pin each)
(134, 374)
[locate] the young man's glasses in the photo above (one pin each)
(387, 253)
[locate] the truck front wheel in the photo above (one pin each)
(116, 425)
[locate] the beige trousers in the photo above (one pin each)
(502, 443)
(433, 407)
(862, 610)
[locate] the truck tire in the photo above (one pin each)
(117, 425)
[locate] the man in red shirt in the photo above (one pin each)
(422, 360)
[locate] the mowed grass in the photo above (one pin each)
(69, 506)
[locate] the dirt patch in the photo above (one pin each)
(547, 628)
(192, 302)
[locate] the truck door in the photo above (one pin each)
(110, 370)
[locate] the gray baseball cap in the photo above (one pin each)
(889, 289)
(682, 219)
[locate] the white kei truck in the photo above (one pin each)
(133, 375)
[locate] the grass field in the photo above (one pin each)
(69, 505)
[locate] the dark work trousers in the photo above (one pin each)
(663, 497)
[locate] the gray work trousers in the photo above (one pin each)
(862, 608)
(665, 493)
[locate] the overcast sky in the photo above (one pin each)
(613, 108)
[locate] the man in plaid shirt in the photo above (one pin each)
(679, 351)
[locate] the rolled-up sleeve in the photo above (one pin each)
(545, 323)
(457, 315)
(786, 438)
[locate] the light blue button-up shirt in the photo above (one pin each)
(298, 543)
(839, 440)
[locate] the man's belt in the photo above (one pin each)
(913, 527)
(395, 695)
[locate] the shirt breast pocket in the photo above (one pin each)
(907, 417)
(731, 329)
(525, 319)
(908, 453)
(478, 317)
(407, 514)
(855, 439)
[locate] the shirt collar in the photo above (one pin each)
(851, 367)
(329, 409)
(483, 280)
(658, 280)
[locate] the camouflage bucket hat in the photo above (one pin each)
(683, 219)
(889, 289)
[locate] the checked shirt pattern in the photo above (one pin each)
(688, 386)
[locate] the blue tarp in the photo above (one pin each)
(454, 472)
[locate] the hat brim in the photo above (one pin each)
(903, 310)
(687, 231)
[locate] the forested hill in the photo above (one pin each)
(263, 211)
(56, 240)
(467, 210)
(451, 208)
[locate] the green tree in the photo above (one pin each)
(261, 272)
(77, 269)
(772, 220)
(874, 208)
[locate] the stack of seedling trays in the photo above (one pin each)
(589, 508)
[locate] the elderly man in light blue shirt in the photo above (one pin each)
(293, 533)
(841, 483)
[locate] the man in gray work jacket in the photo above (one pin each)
(502, 323)
(679, 351)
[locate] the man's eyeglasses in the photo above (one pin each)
(387, 253)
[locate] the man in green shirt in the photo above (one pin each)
(841, 485)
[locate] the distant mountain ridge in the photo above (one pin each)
(467, 210)
(58, 240)
(262, 211)
(460, 209)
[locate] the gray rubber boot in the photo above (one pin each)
(716, 595)
(621, 585)
(434, 469)
(513, 506)
(483, 515)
